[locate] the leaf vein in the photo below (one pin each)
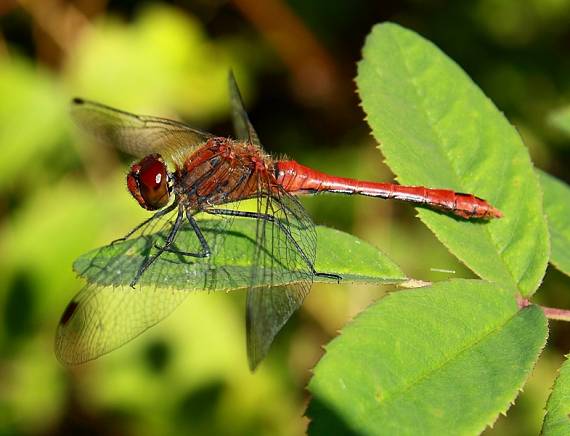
(447, 361)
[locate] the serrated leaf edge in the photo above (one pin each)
(495, 416)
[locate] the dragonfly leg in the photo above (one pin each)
(284, 229)
(169, 241)
(205, 248)
(331, 276)
(158, 214)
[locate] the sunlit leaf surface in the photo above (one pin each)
(557, 209)
(450, 356)
(436, 128)
(230, 266)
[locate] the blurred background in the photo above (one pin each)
(295, 61)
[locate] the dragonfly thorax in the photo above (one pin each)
(149, 182)
(222, 171)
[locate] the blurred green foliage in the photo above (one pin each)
(162, 62)
(560, 119)
(60, 197)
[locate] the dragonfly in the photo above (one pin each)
(182, 173)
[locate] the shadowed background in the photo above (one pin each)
(295, 62)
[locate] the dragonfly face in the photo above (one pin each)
(149, 182)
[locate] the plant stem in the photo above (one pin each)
(550, 312)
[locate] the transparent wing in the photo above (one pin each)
(136, 134)
(100, 318)
(267, 311)
(242, 126)
(286, 248)
(107, 312)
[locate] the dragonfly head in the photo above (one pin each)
(149, 182)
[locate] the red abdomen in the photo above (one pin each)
(299, 179)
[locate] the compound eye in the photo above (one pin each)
(148, 182)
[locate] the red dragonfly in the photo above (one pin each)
(210, 174)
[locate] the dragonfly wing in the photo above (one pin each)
(282, 274)
(101, 318)
(137, 135)
(107, 312)
(242, 126)
(267, 311)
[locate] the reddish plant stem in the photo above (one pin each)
(316, 75)
(550, 312)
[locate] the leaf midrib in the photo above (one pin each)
(435, 132)
(447, 361)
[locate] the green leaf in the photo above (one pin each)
(560, 119)
(454, 355)
(557, 419)
(436, 128)
(230, 267)
(354, 259)
(557, 208)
